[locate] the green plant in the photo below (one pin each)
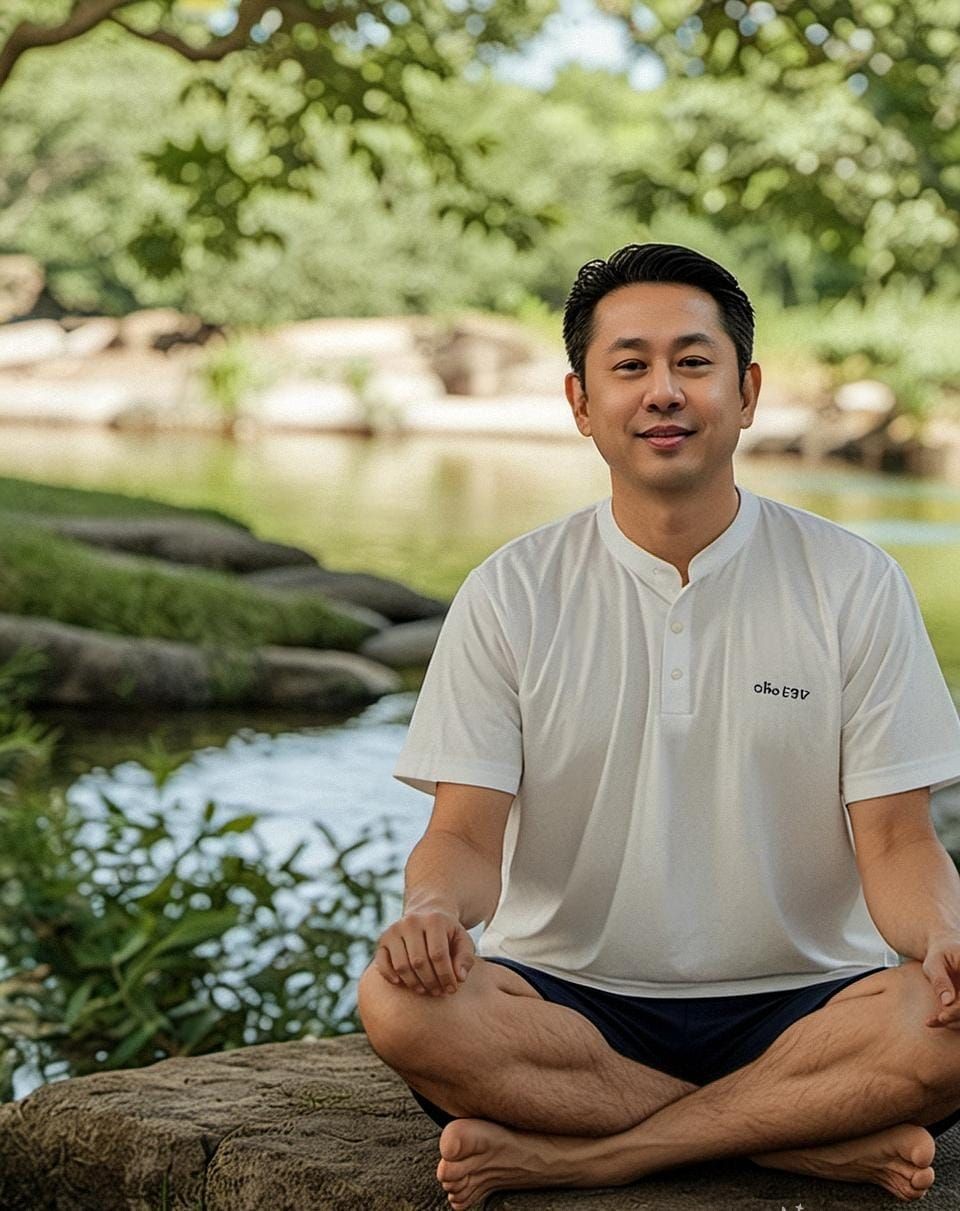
(25, 745)
(131, 935)
(231, 373)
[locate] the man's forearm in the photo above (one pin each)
(446, 872)
(913, 893)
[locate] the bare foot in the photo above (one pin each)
(479, 1156)
(898, 1158)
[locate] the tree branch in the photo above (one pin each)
(248, 14)
(27, 34)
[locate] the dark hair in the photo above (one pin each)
(655, 263)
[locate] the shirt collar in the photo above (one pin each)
(663, 576)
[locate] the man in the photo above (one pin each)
(682, 743)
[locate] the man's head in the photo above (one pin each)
(655, 263)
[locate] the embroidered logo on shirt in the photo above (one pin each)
(781, 691)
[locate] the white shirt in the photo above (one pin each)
(681, 755)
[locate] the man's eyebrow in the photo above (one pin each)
(681, 342)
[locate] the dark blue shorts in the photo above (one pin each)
(696, 1039)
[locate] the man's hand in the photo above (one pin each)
(428, 951)
(941, 966)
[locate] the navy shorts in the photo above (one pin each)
(696, 1039)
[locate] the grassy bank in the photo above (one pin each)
(27, 496)
(47, 576)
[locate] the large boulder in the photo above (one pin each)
(405, 646)
(390, 598)
(320, 1124)
(90, 668)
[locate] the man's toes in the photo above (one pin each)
(923, 1179)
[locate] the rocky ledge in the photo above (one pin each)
(320, 1125)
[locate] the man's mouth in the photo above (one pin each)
(666, 437)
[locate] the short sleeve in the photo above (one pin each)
(900, 728)
(466, 723)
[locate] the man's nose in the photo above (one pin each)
(662, 390)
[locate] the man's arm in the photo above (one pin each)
(455, 866)
(910, 883)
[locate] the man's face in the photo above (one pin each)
(643, 372)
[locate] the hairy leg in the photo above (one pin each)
(861, 1066)
(496, 1049)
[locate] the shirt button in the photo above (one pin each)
(677, 674)
(676, 627)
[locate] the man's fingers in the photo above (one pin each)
(438, 947)
(404, 967)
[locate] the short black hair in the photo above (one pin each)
(655, 263)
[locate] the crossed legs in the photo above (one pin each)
(568, 1110)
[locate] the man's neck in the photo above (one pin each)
(675, 529)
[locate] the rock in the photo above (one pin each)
(395, 601)
(320, 680)
(471, 355)
(308, 403)
(90, 668)
(206, 544)
(389, 388)
(405, 646)
(87, 668)
(91, 337)
(320, 1124)
(31, 341)
(542, 375)
(776, 428)
(343, 340)
(159, 327)
(511, 416)
(865, 395)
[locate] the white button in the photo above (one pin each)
(677, 674)
(676, 627)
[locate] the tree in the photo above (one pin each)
(272, 70)
(838, 117)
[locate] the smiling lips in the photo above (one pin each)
(665, 437)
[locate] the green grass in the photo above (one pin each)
(27, 496)
(46, 576)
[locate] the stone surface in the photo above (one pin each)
(391, 598)
(207, 544)
(321, 1125)
(30, 341)
(404, 646)
(90, 668)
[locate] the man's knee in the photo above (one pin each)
(406, 1030)
(931, 1052)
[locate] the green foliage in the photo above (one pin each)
(127, 937)
(25, 745)
(43, 575)
(347, 64)
(832, 120)
(230, 373)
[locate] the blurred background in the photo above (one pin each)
(280, 362)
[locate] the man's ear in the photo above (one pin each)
(749, 393)
(577, 399)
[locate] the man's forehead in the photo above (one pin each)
(657, 313)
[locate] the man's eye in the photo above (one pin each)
(635, 364)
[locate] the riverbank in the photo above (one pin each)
(472, 375)
(131, 604)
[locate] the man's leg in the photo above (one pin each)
(496, 1049)
(864, 1065)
